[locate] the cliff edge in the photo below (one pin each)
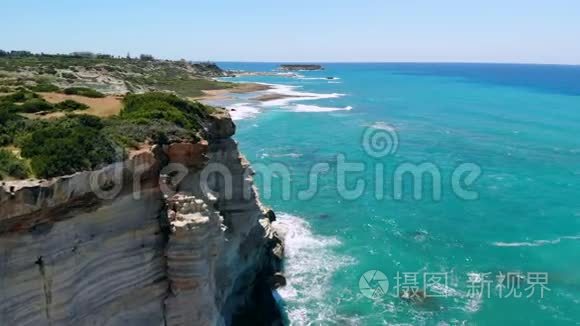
(173, 235)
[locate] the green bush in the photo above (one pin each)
(10, 123)
(20, 96)
(163, 106)
(68, 75)
(158, 110)
(131, 133)
(12, 166)
(36, 105)
(48, 71)
(45, 87)
(67, 145)
(81, 142)
(70, 105)
(83, 91)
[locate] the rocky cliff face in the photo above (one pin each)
(159, 239)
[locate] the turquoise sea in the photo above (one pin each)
(520, 124)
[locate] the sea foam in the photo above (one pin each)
(316, 108)
(294, 95)
(536, 243)
(310, 263)
(241, 111)
(317, 78)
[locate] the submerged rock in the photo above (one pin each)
(419, 236)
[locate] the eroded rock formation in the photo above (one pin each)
(155, 240)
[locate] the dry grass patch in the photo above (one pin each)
(100, 107)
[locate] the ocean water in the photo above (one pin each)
(519, 124)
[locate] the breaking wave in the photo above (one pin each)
(310, 263)
(241, 111)
(316, 108)
(292, 95)
(536, 243)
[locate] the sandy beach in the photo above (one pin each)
(221, 94)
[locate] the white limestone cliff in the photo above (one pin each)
(149, 246)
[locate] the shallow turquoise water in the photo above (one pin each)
(519, 124)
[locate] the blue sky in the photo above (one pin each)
(297, 30)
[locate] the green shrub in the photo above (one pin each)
(10, 123)
(131, 133)
(83, 91)
(68, 75)
(48, 71)
(158, 110)
(20, 96)
(70, 105)
(67, 145)
(45, 87)
(111, 68)
(36, 105)
(163, 106)
(12, 166)
(81, 142)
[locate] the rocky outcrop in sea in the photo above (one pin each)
(298, 67)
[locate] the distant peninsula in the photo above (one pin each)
(296, 67)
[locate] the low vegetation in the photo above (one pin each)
(11, 124)
(11, 166)
(20, 96)
(83, 91)
(79, 142)
(190, 87)
(35, 105)
(70, 105)
(60, 145)
(163, 106)
(45, 87)
(118, 75)
(67, 145)
(25, 101)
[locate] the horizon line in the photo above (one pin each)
(322, 61)
(390, 62)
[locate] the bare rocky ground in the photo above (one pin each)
(111, 76)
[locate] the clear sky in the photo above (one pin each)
(546, 31)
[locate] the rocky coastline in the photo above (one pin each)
(150, 247)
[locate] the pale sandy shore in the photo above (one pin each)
(224, 94)
(221, 94)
